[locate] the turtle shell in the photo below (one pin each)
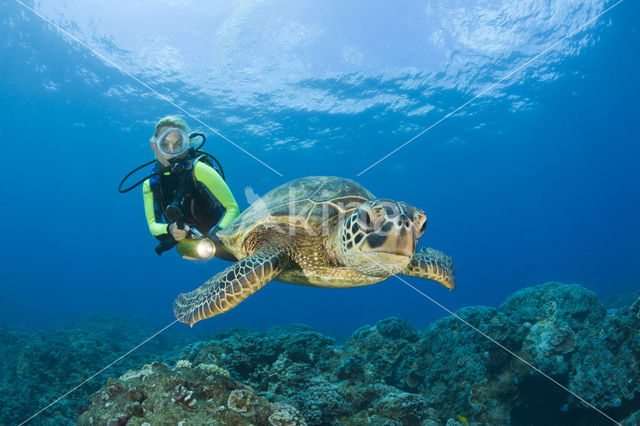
(313, 204)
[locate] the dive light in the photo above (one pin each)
(196, 248)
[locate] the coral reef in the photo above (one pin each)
(392, 374)
(39, 367)
(481, 366)
(607, 365)
(11, 340)
(157, 394)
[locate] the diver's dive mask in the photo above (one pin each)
(172, 143)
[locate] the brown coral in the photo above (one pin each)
(285, 415)
(243, 401)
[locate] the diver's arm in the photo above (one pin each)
(157, 229)
(210, 178)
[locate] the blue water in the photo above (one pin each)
(534, 181)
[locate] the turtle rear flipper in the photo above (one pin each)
(432, 265)
(231, 286)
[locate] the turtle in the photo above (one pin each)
(321, 231)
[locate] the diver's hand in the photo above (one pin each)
(213, 231)
(177, 233)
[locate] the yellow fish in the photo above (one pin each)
(463, 419)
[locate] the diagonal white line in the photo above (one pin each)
(162, 330)
(98, 372)
(396, 276)
(507, 349)
(151, 89)
(494, 341)
(275, 171)
(161, 96)
(490, 87)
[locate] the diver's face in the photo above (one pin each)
(171, 143)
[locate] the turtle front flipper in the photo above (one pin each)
(432, 265)
(230, 287)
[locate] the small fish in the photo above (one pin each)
(616, 402)
(421, 394)
(462, 419)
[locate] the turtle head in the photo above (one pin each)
(379, 238)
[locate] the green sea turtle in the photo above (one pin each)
(321, 231)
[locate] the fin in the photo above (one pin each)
(432, 265)
(230, 287)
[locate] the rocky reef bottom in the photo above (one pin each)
(389, 373)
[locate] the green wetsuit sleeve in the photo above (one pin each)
(219, 189)
(155, 228)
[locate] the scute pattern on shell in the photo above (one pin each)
(306, 202)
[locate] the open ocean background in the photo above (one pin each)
(536, 180)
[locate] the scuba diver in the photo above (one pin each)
(186, 199)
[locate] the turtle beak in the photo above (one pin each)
(405, 243)
(402, 244)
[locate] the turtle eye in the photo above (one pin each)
(364, 220)
(422, 220)
(423, 227)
